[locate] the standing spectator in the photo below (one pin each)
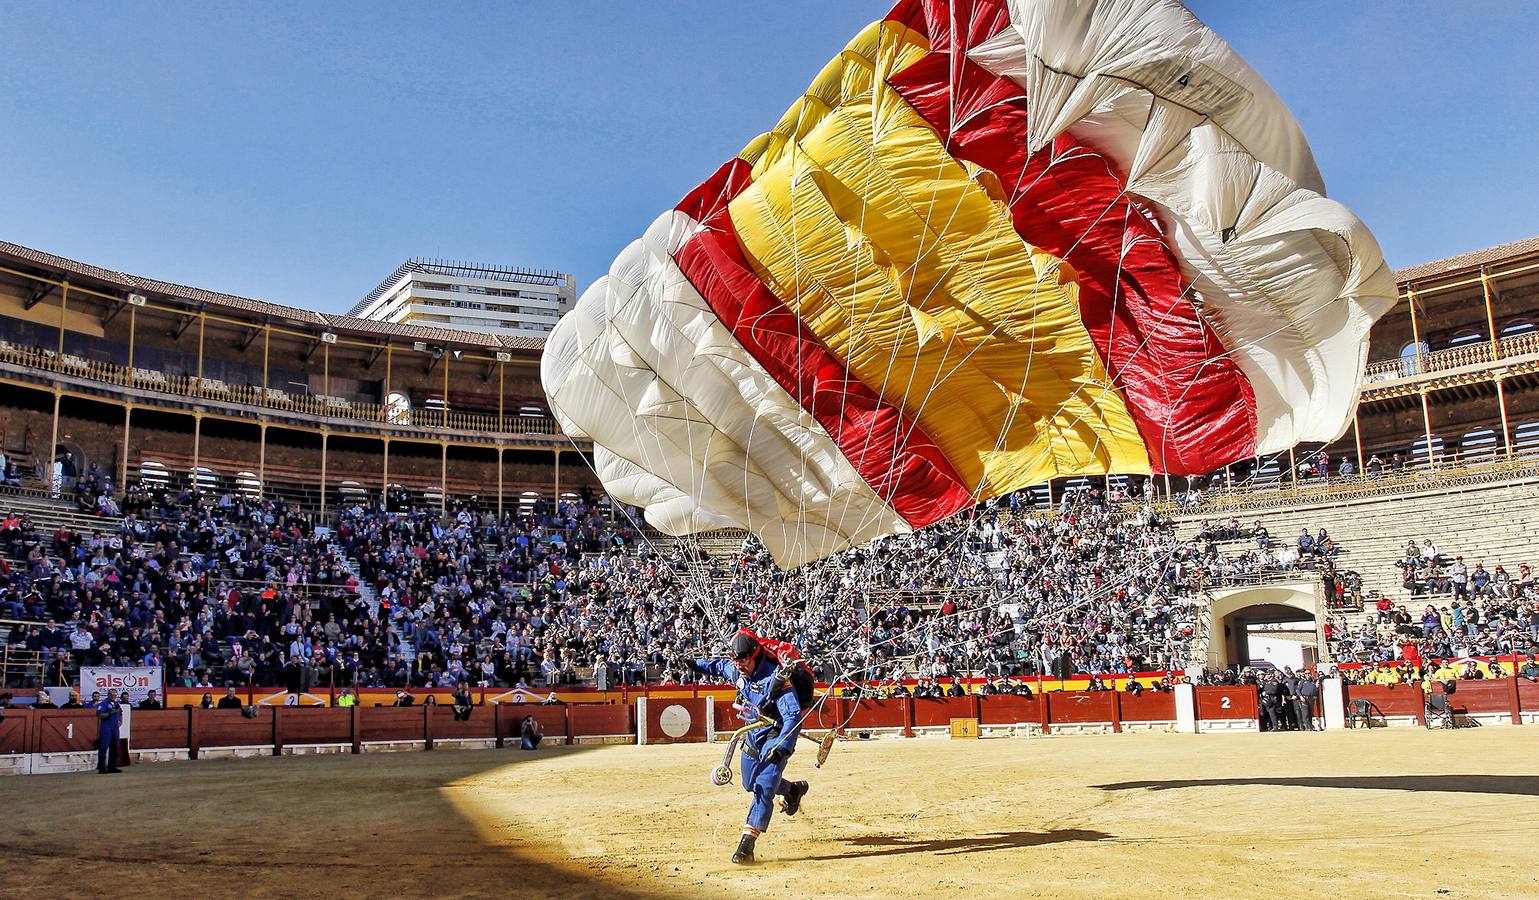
(109, 715)
(230, 700)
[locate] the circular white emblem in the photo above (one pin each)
(674, 721)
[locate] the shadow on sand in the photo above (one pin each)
(884, 845)
(1520, 785)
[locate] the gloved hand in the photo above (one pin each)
(774, 755)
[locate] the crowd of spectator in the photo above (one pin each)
(229, 589)
(1465, 611)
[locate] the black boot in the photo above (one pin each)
(744, 854)
(791, 803)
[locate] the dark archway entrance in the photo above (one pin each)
(1239, 635)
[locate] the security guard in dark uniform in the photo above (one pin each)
(109, 716)
(1305, 693)
(1272, 694)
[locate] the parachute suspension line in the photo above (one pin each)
(699, 474)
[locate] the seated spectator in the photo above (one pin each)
(230, 700)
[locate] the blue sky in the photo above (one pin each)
(297, 152)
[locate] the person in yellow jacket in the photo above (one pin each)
(348, 697)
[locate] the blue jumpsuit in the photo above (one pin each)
(107, 735)
(762, 779)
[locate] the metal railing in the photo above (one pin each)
(1488, 470)
(1473, 354)
(310, 405)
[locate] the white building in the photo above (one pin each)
(495, 300)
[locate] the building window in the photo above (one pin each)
(1409, 362)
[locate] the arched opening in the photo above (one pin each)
(247, 484)
(1478, 447)
(1273, 634)
(1427, 453)
(1276, 624)
(205, 479)
(398, 408)
(154, 474)
(1525, 439)
(1465, 338)
(1410, 358)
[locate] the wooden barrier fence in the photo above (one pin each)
(671, 716)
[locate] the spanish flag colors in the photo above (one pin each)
(991, 245)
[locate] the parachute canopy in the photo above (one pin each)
(993, 244)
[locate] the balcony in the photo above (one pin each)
(1395, 377)
(309, 407)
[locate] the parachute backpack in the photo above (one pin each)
(794, 670)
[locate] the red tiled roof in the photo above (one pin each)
(144, 285)
(1466, 261)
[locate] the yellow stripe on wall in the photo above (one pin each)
(909, 271)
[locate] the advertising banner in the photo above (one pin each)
(135, 681)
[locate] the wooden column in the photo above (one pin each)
(384, 412)
(1357, 438)
(197, 450)
(1501, 404)
(1485, 290)
(385, 475)
(1421, 363)
(63, 306)
(557, 498)
(262, 457)
(202, 329)
(53, 440)
(325, 374)
(447, 355)
(267, 343)
(1426, 421)
(443, 477)
(325, 441)
(128, 411)
(499, 480)
(501, 397)
(133, 322)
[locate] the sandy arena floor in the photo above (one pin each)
(1395, 813)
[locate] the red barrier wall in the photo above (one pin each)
(593, 719)
(303, 725)
(1080, 707)
(880, 714)
(478, 726)
(1150, 706)
(937, 712)
(1485, 696)
(1008, 709)
(552, 719)
(64, 730)
(229, 728)
(394, 723)
(16, 731)
(689, 713)
(159, 729)
(1391, 699)
(1219, 702)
